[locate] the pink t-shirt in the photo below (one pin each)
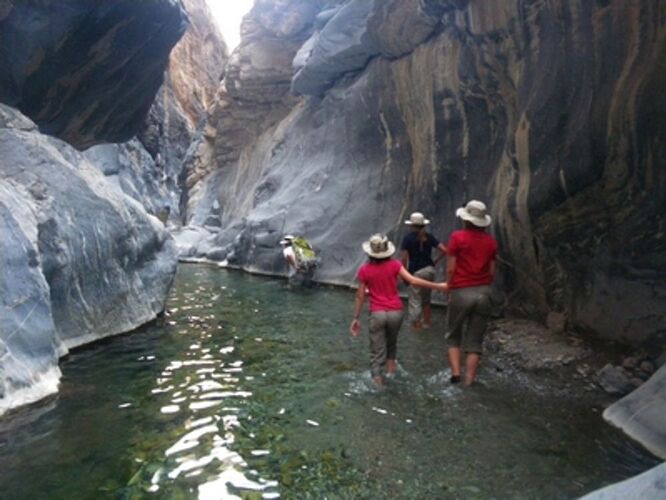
(381, 280)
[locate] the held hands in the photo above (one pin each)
(355, 328)
(443, 287)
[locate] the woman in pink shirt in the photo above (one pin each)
(378, 278)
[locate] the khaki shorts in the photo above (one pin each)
(383, 327)
(467, 319)
(419, 297)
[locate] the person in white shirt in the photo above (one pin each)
(289, 254)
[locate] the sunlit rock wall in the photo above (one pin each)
(254, 97)
(196, 67)
(551, 112)
(80, 260)
(86, 71)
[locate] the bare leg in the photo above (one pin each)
(454, 361)
(427, 315)
(391, 366)
(471, 364)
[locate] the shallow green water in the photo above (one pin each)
(252, 390)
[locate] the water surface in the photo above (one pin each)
(250, 389)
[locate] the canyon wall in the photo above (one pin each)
(86, 72)
(150, 168)
(79, 259)
(550, 111)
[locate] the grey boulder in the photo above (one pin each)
(79, 259)
(642, 414)
(649, 485)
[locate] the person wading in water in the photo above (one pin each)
(470, 269)
(416, 256)
(378, 278)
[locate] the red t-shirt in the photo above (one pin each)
(381, 280)
(474, 251)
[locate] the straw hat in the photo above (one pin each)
(378, 246)
(417, 219)
(476, 213)
(287, 239)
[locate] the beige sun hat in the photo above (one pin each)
(475, 212)
(378, 246)
(417, 219)
(287, 239)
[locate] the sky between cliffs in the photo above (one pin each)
(228, 15)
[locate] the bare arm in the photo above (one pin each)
(355, 328)
(442, 252)
(493, 268)
(413, 280)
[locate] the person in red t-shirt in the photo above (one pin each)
(379, 279)
(470, 268)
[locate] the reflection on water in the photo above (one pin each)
(247, 389)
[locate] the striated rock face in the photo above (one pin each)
(253, 98)
(150, 167)
(79, 260)
(131, 168)
(551, 112)
(86, 71)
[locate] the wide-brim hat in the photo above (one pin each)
(287, 239)
(417, 219)
(378, 247)
(476, 213)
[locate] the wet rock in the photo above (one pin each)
(86, 72)
(636, 382)
(641, 414)
(614, 380)
(194, 242)
(216, 254)
(650, 484)
(69, 277)
(646, 367)
(630, 362)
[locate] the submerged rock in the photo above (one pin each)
(80, 260)
(614, 380)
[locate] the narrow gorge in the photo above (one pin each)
(131, 137)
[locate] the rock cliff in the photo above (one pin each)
(196, 67)
(150, 168)
(86, 72)
(79, 259)
(549, 111)
(253, 98)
